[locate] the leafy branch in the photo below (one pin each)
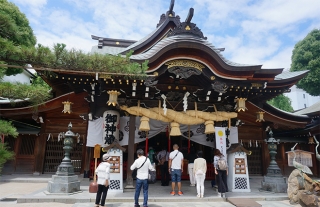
(74, 60)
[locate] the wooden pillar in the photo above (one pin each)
(40, 150)
(87, 160)
(283, 158)
(265, 153)
(132, 128)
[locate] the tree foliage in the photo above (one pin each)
(306, 56)
(61, 58)
(6, 128)
(14, 26)
(281, 102)
(35, 94)
(5, 154)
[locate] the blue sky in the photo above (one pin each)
(252, 31)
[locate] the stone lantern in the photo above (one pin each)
(65, 181)
(274, 180)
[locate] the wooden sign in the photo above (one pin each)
(96, 153)
(303, 157)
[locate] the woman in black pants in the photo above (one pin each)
(221, 173)
(103, 172)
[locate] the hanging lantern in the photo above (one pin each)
(144, 125)
(209, 127)
(175, 129)
(113, 98)
(241, 104)
(311, 141)
(67, 107)
(260, 116)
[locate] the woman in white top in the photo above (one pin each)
(199, 170)
(103, 172)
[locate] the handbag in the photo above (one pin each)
(152, 178)
(134, 172)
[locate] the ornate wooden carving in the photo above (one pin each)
(219, 87)
(187, 28)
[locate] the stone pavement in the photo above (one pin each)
(28, 190)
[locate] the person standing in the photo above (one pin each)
(176, 169)
(144, 165)
(163, 157)
(151, 154)
(103, 172)
(221, 170)
(200, 170)
(191, 157)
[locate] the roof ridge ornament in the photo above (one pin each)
(187, 27)
(169, 13)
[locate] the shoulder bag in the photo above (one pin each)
(134, 172)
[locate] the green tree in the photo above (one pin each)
(6, 129)
(14, 26)
(306, 56)
(281, 102)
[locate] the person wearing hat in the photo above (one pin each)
(103, 172)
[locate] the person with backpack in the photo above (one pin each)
(163, 157)
(143, 165)
(176, 169)
(199, 172)
(221, 170)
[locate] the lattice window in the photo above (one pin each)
(27, 146)
(240, 183)
(54, 155)
(254, 161)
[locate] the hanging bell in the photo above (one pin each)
(209, 127)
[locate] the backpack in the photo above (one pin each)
(222, 164)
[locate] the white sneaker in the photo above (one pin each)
(201, 195)
(219, 194)
(198, 196)
(223, 195)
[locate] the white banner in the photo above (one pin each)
(95, 132)
(233, 137)
(221, 140)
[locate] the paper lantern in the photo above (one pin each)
(67, 107)
(260, 116)
(209, 127)
(144, 125)
(241, 104)
(113, 98)
(175, 129)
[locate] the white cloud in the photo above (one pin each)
(253, 32)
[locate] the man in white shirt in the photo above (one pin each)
(176, 169)
(144, 165)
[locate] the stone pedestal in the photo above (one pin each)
(274, 184)
(63, 184)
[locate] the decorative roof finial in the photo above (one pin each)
(190, 15)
